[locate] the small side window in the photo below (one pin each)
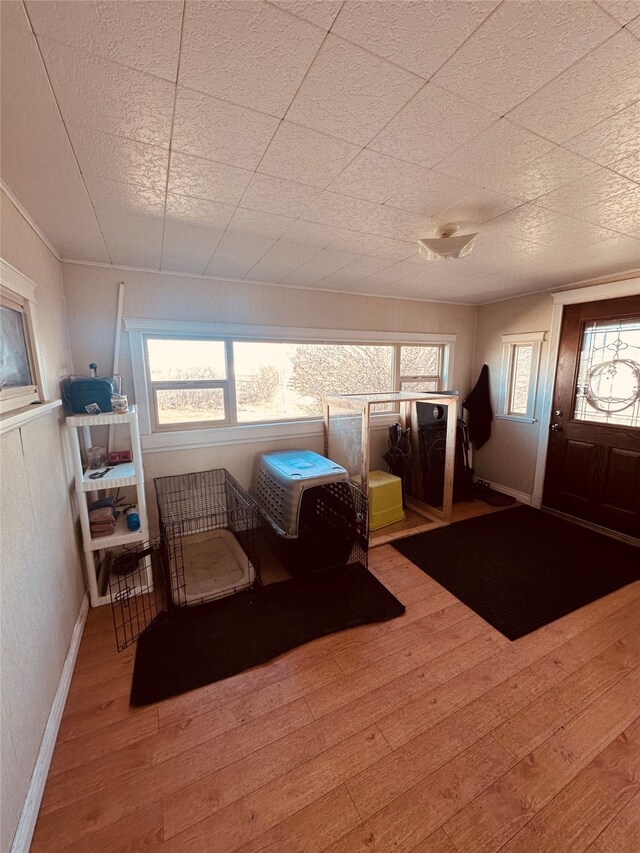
(519, 378)
(20, 373)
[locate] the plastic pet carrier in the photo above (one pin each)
(316, 517)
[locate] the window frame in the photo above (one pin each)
(510, 345)
(204, 433)
(19, 292)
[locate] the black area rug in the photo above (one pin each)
(217, 640)
(522, 568)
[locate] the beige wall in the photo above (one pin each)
(41, 582)
(91, 294)
(509, 457)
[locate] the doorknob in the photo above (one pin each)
(555, 428)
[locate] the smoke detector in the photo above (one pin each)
(446, 246)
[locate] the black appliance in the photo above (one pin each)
(432, 438)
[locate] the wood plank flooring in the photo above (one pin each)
(431, 733)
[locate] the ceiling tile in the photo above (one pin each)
(494, 154)
(350, 93)
(370, 244)
(275, 195)
(281, 259)
(521, 47)
(188, 248)
(406, 32)
(311, 234)
(432, 125)
(620, 213)
(37, 160)
(622, 10)
(436, 194)
(318, 267)
(216, 130)
(255, 223)
(610, 140)
(101, 95)
(237, 253)
(570, 235)
(552, 169)
(599, 85)
(354, 272)
(198, 211)
(529, 223)
(12, 15)
(393, 274)
(131, 219)
(358, 215)
(248, 53)
(318, 12)
(198, 178)
(586, 191)
(145, 36)
(476, 207)
(118, 158)
(629, 167)
(305, 156)
(376, 177)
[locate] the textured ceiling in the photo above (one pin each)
(312, 143)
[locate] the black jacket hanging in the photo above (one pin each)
(478, 404)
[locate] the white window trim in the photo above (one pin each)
(509, 342)
(247, 433)
(18, 287)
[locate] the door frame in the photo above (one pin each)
(594, 293)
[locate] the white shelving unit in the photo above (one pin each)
(127, 474)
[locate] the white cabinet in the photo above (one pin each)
(126, 474)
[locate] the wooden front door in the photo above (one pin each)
(593, 460)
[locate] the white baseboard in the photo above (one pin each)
(523, 497)
(31, 807)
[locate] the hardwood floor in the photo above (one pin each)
(431, 733)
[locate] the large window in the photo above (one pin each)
(208, 382)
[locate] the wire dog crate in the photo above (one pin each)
(210, 531)
(209, 547)
(316, 518)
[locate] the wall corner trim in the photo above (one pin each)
(33, 798)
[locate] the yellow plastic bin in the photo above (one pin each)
(385, 499)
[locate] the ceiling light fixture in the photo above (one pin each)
(446, 246)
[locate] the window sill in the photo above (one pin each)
(191, 439)
(522, 419)
(18, 418)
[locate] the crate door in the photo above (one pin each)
(137, 588)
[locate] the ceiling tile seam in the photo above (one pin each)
(338, 269)
(632, 21)
(267, 146)
(602, 121)
(66, 131)
(559, 74)
(615, 233)
(540, 198)
(305, 20)
(402, 67)
(382, 269)
(290, 272)
(611, 168)
(98, 56)
(173, 118)
(380, 59)
(613, 18)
